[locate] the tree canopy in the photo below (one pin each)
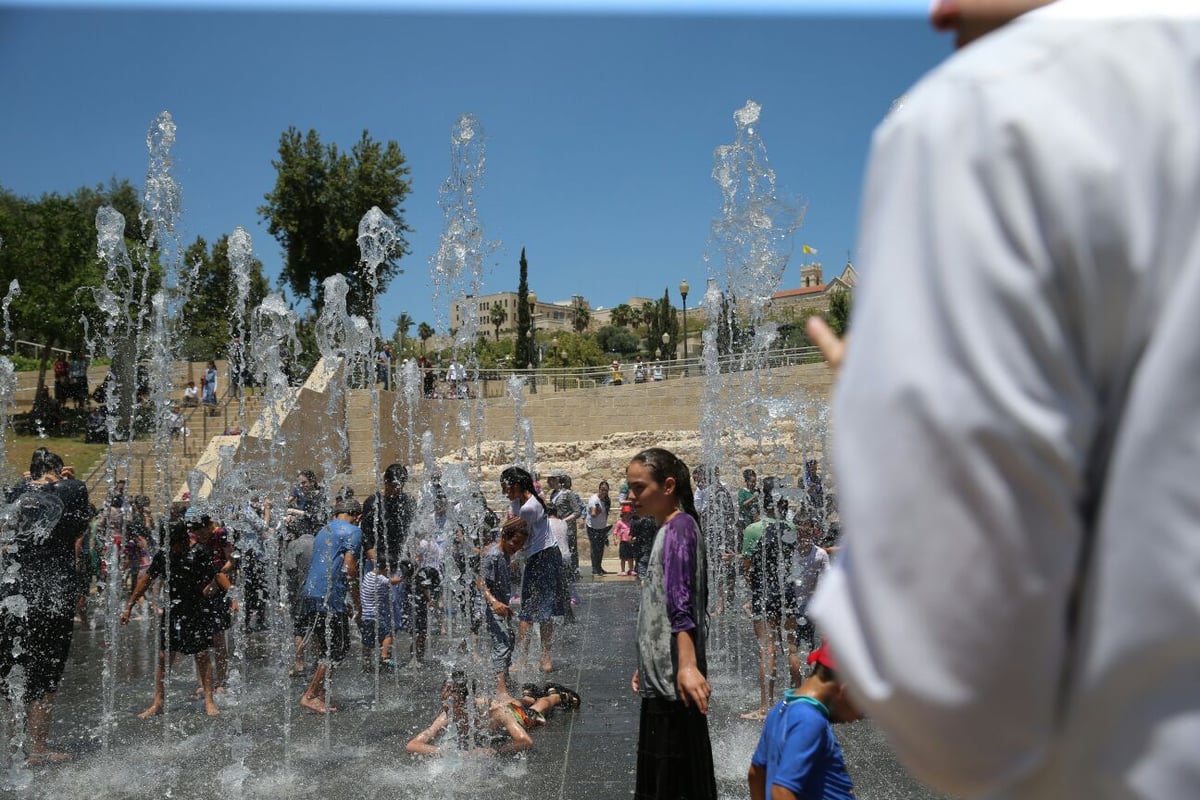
(49, 247)
(209, 310)
(321, 193)
(616, 339)
(663, 319)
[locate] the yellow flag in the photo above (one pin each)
(807, 250)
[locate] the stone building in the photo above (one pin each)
(814, 292)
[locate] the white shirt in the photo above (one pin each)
(600, 521)
(807, 569)
(1018, 416)
(560, 531)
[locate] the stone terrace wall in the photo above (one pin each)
(589, 433)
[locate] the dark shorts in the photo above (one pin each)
(331, 635)
(44, 644)
(766, 605)
(189, 632)
(220, 618)
(627, 551)
(541, 599)
(374, 631)
(301, 618)
(674, 755)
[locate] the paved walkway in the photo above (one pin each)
(264, 745)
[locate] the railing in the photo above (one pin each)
(559, 379)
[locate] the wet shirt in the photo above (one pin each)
(749, 506)
(674, 596)
(327, 583)
(49, 519)
(770, 556)
(386, 522)
(191, 571)
(540, 537)
(800, 752)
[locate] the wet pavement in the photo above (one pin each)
(265, 745)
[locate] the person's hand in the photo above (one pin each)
(693, 688)
(828, 342)
(125, 617)
(500, 609)
(634, 683)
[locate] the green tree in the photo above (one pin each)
(623, 315)
(664, 319)
(648, 313)
(580, 315)
(575, 350)
(209, 309)
(524, 347)
(320, 196)
(498, 317)
(424, 333)
(840, 303)
(615, 339)
(404, 323)
(49, 248)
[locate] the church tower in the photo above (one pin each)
(810, 275)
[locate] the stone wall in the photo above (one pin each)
(589, 433)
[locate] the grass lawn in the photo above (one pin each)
(73, 450)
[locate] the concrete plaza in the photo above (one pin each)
(264, 745)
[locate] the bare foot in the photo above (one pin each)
(318, 706)
(211, 709)
(153, 711)
(48, 757)
(757, 715)
(547, 665)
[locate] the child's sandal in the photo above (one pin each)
(569, 698)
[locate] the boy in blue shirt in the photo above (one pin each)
(329, 590)
(798, 757)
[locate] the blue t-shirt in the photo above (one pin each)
(800, 752)
(326, 584)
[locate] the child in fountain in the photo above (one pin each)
(623, 534)
(798, 755)
(504, 717)
(376, 625)
(674, 757)
(494, 578)
(332, 583)
(185, 626)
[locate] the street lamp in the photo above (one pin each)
(554, 351)
(683, 292)
(666, 340)
(531, 298)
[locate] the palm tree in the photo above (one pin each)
(580, 316)
(623, 315)
(498, 316)
(404, 324)
(648, 313)
(425, 333)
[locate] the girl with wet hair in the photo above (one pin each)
(540, 599)
(674, 757)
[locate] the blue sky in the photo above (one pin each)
(600, 122)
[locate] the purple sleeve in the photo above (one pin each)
(678, 560)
